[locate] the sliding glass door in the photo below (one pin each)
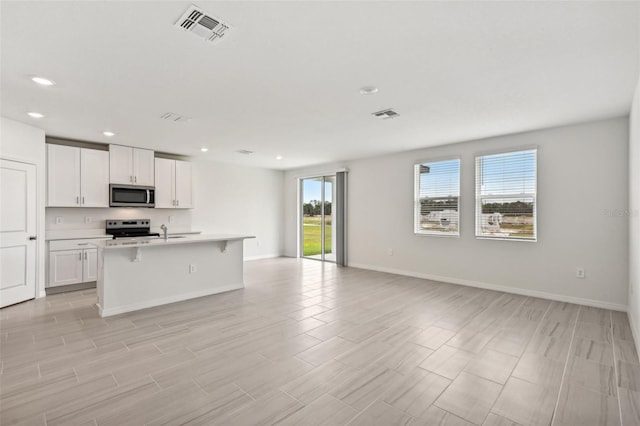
(318, 225)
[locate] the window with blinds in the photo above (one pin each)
(437, 198)
(506, 195)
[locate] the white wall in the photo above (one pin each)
(240, 200)
(582, 175)
(634, 216)
(25, 143)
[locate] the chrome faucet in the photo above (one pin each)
(164, 229)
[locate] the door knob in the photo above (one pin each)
(33, 238)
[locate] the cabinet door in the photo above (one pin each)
(63, 176)
(184, 190)
(121, 164)
(89, 265)
(165, 183)
(65, 267)
(94, 178)
(143, 165)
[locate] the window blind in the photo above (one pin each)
(437, 198)
(506, 195)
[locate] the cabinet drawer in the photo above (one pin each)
(74, 244)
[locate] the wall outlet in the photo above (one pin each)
(390, 252)
(580, 272)
(192, 268)
(172, 219)
(58, 220)
(88, 219)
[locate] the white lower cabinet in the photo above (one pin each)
(89, 265)
(72, 262)
(65, 267)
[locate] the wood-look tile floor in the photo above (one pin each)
(307, 343)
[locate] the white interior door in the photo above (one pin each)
(17, 227)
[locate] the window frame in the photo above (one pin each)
(416, 197)
(479, 197)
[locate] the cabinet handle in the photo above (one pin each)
(135, 179)
(131, 179)
(80, 256)
(77, 200)
(83, 199)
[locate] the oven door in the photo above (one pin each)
(131, 196)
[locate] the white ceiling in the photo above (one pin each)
(285, 81)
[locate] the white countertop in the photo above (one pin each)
(79, 234)
(153, 242)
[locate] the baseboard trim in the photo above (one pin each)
(166, 300)
(262, 256)
(496, 287)
(635, 332)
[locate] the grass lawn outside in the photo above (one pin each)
(312, 236)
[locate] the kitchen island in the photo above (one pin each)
(141, 273)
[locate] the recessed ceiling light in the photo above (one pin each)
(368, 90)
(278, 157)
(109, 134)
(203, 149)
(43, 81)
(35, 114)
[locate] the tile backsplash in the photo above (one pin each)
(92, 218)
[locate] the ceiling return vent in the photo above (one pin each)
(177, 118)
(385, 113)
(204, 26)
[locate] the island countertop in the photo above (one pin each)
(172, 240)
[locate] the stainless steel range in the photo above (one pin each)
(130, 228)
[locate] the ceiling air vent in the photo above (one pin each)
(172, 116)
(204, 26)
(385, 113)
(244, 151)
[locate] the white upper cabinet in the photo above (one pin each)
(131, 166)
(63, 176)
(94, 178)
(165, 183)
(183, 185)
(121, 164)
(173, 184)
(143, 165)
(77, 177)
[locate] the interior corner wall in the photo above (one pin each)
(21, 142)
(582, 196)
(233, 199)
(634, 216)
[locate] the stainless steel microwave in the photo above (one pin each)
(131, 196)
